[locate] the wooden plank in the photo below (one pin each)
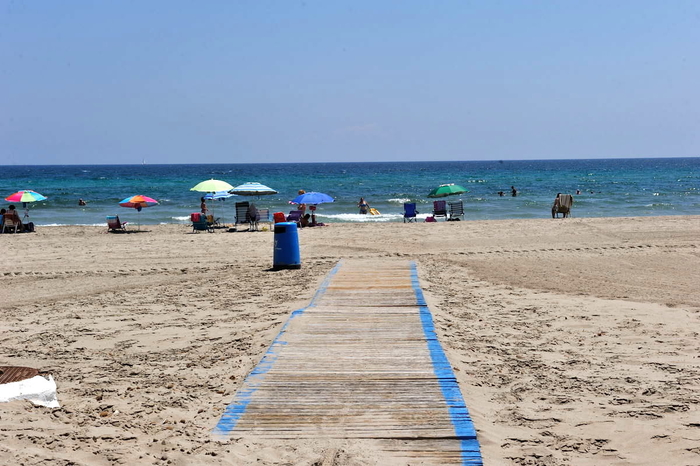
(361, 362)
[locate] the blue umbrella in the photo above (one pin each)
(220, 196)
(312, 198)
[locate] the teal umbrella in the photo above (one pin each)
(445, 190)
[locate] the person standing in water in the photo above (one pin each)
(364, 207)
(513, 191)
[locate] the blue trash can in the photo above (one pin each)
(286, 254)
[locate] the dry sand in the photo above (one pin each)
(575, 342)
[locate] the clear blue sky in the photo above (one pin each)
(306, 81)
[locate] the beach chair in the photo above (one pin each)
(409, 212)
(200, 223)
(264, 216)
(10, 223)
(456, 210)
(252, 217)
(440, 209)
(213, 222)
(242, 212)
(295, 216)
(114, 224)
(566, 201)
(279, 217)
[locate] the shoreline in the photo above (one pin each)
(573, 341)
(187, 223)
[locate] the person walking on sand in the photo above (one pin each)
(364, 207)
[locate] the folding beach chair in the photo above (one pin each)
(242, 212)
(200, 223)
(566, 201)
(456, 210)
(440, 209)
(409, 212)
(114, 224)
(264, 216)
(295, 216)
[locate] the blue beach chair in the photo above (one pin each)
(200, 223)
(409, 212)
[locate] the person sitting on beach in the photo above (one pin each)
(364, 207)
(14, 216)
(305, 220)
(2, 218)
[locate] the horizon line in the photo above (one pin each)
(338, 162)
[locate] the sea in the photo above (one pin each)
(606, 187)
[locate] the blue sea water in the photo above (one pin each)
(609, 188)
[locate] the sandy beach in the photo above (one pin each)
(575, 342)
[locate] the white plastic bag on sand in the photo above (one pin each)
(38, 390)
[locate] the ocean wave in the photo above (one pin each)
(103, 224)
(366, 218)
(399, 200)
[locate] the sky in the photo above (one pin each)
(95, 82)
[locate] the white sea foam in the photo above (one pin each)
(366, 218)
(399, 200)
(104, 224)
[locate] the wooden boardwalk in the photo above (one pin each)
(361, 361)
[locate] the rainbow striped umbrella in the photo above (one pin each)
(25, 196)
(138, 202)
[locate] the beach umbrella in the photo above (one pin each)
(445, 190)
(24, 197)
(252, 189)
(218, 196)
(212, 186)
(138, 202)
(312, 198)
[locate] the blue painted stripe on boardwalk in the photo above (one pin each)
(459, 415)
(244, 395)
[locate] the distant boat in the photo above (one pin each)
(143, 162)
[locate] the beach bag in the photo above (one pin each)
(28, 227)
(430, 219)
(195, 217)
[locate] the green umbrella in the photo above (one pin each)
(212, 186)
(445, 190)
